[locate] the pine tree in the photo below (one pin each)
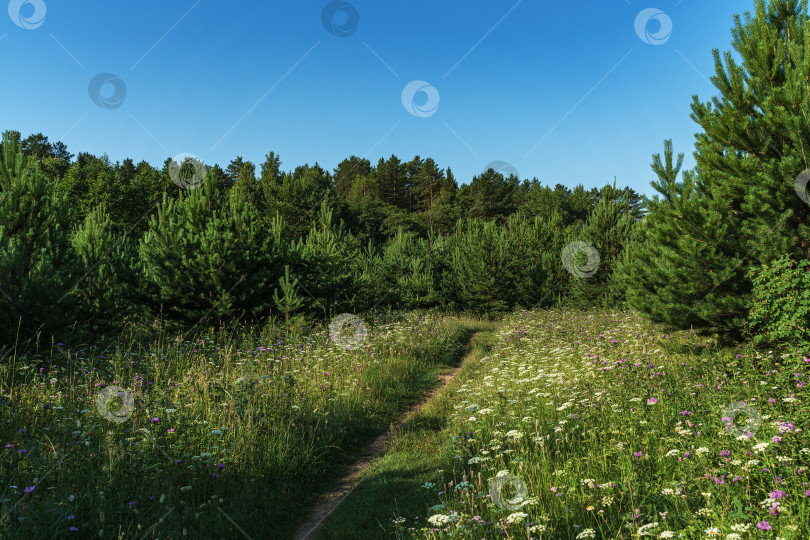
(683, 266)
(106, 291)
(348, 171)
(201, 256)
(391, 178)
(405, 274)
(297, 197)
(247, 186)
(289, 300)
(607, 230)
(37, 265)
(234, 168)
(486, 263)
(489, 196)
(739, 209)
(324, 262)
(756, 132)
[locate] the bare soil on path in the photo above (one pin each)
(330, 502)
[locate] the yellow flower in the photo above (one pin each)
(589, 508)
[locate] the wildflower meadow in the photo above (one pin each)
(597, 425)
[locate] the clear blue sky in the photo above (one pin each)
(567, 92)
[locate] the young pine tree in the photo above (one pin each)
(200, 256)
(289, 301)
(37, 265)
(106, 290)
(608, 230)
(739, 209)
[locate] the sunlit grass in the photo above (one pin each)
(590, 425)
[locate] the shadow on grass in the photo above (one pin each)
(157, 494)
(391, 488)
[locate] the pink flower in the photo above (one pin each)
(764, 526)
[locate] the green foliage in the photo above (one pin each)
(738, 209)
(608, 230)
(296, 197)
(402, 274)
(780, 304)
(37, 266)
(684, 266)
(488, 196)
(108, 258)
(289, 301)
(324, 264)
(200, 256)
(491, 268)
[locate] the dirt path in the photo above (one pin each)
(331, 501)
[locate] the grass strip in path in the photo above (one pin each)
(416, 449)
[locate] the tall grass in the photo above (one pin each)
(600, 425)
(230, 432)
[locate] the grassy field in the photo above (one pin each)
(598, 425)
(220, 436)
(558, 425)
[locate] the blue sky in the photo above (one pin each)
(568, 92)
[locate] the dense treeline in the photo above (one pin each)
(133, 241)
(87, 244)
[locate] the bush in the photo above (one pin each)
(780, 308)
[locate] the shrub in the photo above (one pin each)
(780, 308)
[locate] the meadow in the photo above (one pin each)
(558, 424)
(597, 425)
(224, 434)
